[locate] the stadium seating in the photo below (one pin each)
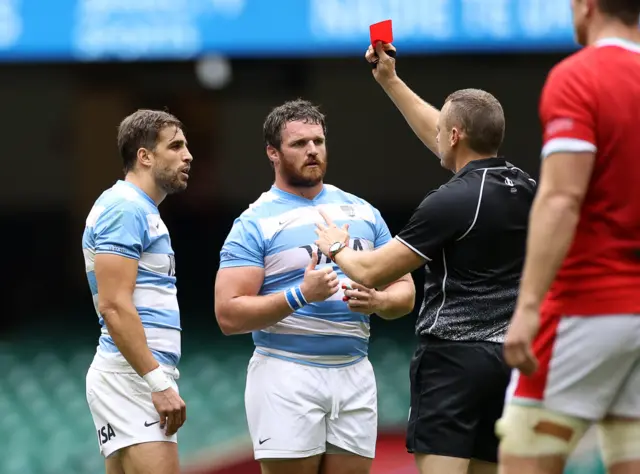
(49, 430)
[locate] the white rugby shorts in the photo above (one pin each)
(122, 410)
(296, 410)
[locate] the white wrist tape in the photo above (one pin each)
(158, 381)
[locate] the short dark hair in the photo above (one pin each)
(627, 11)
(141, 130)
(481, 117)
(291, 111)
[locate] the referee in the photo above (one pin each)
(470, 235)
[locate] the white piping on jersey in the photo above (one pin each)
(475, 218)
(414, 249)
(444, 292)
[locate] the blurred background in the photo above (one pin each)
(70, 70)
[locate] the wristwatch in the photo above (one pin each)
(336, 248)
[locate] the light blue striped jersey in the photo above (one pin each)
(125, 221)
(277, 233)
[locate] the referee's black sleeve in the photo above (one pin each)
(444, 214)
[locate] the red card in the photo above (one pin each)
(382, 32)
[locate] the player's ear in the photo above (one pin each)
(455, 136)
(144, 157)
(273, 155)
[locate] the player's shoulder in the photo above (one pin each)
(576, 69)
(334, 194)
(117, 200)
(268, 204)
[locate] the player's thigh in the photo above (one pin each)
(482, 467)
(309, 465)
(432, 464)
(352, 424)
(592, 362)
(336, 462)
(620, 444)
(113, 465)
(446, 400)
(151, 458)
(534, 439)
(122, 411)
(286, 404)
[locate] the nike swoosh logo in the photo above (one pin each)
(263, 440)
(150, 424)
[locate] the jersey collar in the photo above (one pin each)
(494, 162)
(137, 190)
(619, 42)
(295, 197)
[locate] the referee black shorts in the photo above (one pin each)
(457, 395)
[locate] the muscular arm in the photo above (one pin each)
(380, 267)
(398, 298)
(564, 180)
(238, 307)
(116, 278)
(421, 116)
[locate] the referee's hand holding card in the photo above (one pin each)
(381, 53)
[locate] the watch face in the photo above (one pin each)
(335, 246)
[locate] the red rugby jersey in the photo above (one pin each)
(591, 102)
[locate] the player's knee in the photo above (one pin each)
(620, 441)
(534, 431)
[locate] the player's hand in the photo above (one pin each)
(386, 68)
(318, 285)
(330, 234)
(361, 299)
(517, 345)
(171, 408)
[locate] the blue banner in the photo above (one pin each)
(97, 30)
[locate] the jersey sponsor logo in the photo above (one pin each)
(105, 434)
(325, 259)
(348, 210)
(559, 125)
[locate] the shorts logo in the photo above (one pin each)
(105, 434)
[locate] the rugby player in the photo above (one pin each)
(575, 334)
(310, 398)
(469, 234)
(131, 388)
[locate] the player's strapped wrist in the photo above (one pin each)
(157, 380)
(295, 298)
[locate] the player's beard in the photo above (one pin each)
(304, 176)
(169, 180)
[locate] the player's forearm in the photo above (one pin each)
(421, 116)
(397, 299)
(552, 225)
(125, 328)
(243, 314)
(366, 269)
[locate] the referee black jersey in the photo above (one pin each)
(472, 231)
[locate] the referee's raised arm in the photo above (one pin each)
(421, 116)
